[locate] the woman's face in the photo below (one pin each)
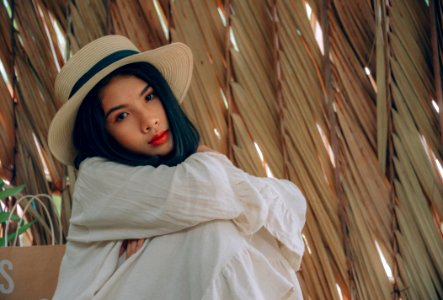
(135, 117)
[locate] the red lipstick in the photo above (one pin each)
(159, 138)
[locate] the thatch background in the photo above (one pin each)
(364, 149)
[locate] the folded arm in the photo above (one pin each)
(113, 201)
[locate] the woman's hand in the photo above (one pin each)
(131, 247)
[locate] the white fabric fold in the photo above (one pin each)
(114, 202)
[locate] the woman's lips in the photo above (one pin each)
(159, 138)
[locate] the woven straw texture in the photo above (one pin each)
(341, 97)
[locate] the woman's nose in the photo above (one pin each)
(150, 124)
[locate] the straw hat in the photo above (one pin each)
(96, 60)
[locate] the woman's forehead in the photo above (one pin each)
(121, 85)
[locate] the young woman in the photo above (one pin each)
(197, 226)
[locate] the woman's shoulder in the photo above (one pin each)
(208, 155)
(98, 166)
(94, 167)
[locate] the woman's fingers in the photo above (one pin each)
(139, 244)
(133, 246)
(129, 249)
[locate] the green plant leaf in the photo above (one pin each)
(11, 191)
(4, 215)
(2, 183)
(21, 230)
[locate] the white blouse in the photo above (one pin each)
(212, 232)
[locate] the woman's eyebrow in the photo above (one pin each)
(144, 90)
(114, 109)
(122, 106)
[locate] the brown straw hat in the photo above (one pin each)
(96, 60)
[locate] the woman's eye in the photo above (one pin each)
(149, 97)
(121, 116)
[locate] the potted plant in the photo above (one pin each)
(8, 216)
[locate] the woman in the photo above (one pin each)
(210, 230)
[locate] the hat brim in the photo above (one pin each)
(174, 61)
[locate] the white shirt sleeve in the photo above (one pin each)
(114, 201)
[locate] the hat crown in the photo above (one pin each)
(86, 57)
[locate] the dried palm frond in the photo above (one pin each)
(347, 116)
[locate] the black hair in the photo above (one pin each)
(91, 137)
